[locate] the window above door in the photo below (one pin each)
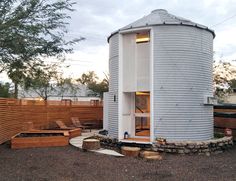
(142, 37)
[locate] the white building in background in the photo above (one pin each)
(81, 93)
(160, 80)
(231, 98)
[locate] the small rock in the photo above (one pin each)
(200, 153)
(204, 146)
(186, 151)
(154, 149)
(178, 144)
(205, 150)
(194, 150)
(199, 143)
(221, 144)
(168, 150)
(191, 146)
(218, 152)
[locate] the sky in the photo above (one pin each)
(96, 19)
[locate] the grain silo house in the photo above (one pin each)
(160, 80)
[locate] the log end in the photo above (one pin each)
(130, 151)
(91, 144)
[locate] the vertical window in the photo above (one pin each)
(142, 114)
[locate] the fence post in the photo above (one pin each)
(46, 106)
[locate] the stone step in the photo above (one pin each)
(145, 154)
(154, 157)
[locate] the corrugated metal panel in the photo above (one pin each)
(182, 76)
(105, 110)
(113, 63)
(113, 87)
(113, 115)
(161, 17)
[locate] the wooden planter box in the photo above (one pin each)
(43, 139)
(74, 132)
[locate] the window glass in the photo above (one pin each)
(142, 102)
(142, 37)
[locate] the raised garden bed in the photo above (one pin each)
(74, 132)
(40, 138)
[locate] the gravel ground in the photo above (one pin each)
(69, 163)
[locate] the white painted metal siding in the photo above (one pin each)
(113, 63)
(113, 114)
(182, 77)
(105, 110)
(113, 87)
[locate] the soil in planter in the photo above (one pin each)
(23, 135)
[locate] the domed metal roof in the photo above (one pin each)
(161, 17)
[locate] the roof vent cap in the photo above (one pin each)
(159, 11)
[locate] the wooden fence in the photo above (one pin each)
(14, 113)
(10, 116)
(225, 117)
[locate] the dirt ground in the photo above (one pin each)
(69, 163)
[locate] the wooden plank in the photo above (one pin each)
(225, 122)
(225, 110)
(33, 142)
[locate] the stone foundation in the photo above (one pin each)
(213, 146)
(195, 147)
(106, 141)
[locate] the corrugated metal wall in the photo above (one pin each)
(182, 61)
(113, 86)
(105, 110)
